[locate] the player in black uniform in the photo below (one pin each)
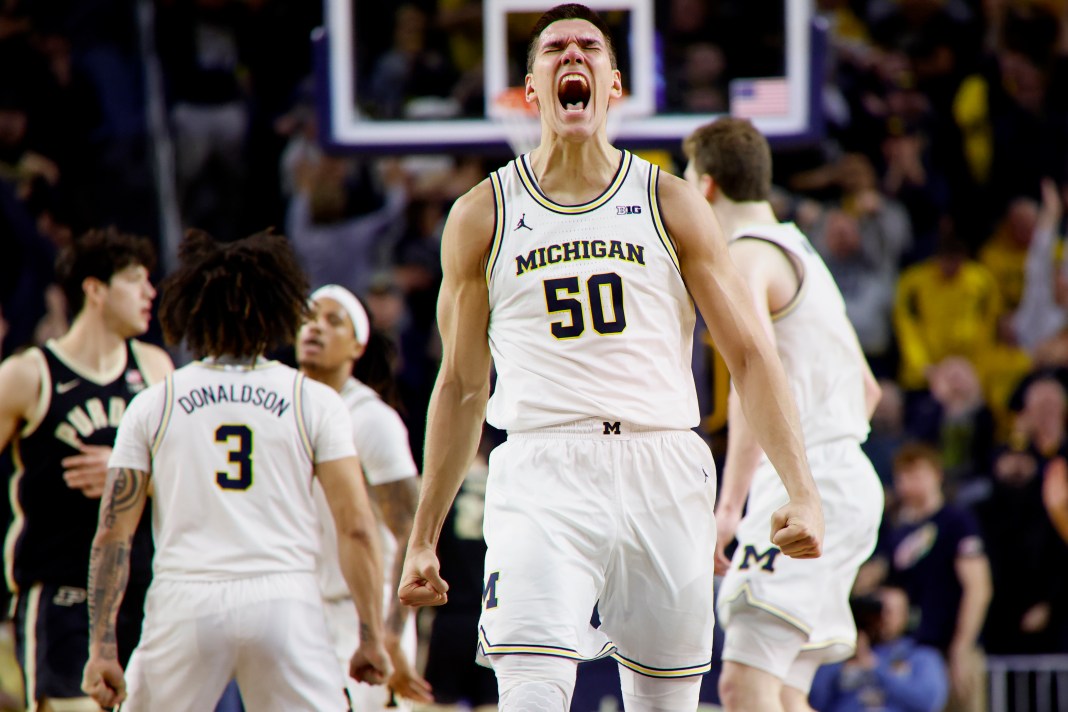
(60, 409)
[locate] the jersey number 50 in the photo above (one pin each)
(596, 287)
(240, 455)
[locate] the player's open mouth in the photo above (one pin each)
(573, 92)
(315, 343)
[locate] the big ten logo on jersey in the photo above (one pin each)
(489, 590)
(750, 557)
(82, 421)
(628, 210)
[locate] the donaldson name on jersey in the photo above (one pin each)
(589, 316)
(205, 396)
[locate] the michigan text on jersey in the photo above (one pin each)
(579, 250)
(210, 395)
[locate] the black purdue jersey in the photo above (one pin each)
(52, 531)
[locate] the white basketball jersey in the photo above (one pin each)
(381, 438)
(817, 344)
(231, 451)
(589, 316)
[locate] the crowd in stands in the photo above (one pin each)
(936, 198)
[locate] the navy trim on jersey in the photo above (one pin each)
(799, 269)
(498, 224)
(657, 218)
(530, 184)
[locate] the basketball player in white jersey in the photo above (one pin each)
(571, 270)
(785, 617)
(229, 445)
(336, 336)
(59, 407)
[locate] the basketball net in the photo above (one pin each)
(522, 124)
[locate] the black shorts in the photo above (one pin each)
(52, 637)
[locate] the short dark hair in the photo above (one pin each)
(569, 11)
(735, 154)
(239, 299)
(99, 254)
(916, 452)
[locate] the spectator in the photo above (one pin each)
(1028, 559)
(890, 672)
(913, 167)
(958, 423)
(934, 551)
(1043, 309)
(1010, 111)
(865, 278)
(1005, 252)
(411, 68)
(862, 240)
(945, 306)
(321, 225)
(203, 52)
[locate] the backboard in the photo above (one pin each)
(398, 78)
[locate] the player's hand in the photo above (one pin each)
(370, 663)
(104, 682)
(405, 681)
(726, 526)
(87, 471)
(421, 583)
(797, 529)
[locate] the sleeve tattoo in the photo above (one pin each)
(109, 560)
(396, 502)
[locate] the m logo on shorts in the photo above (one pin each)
(611, 428)
(768, 558)
(489, 592)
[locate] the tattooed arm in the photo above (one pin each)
(109, 570)
(396, 502)
(360, 559)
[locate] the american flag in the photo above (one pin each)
(751, 98)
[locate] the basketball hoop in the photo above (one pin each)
(522, 123)
(520, 119)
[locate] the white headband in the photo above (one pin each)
(361, 325)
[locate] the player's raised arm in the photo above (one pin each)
(124, 499)
(458, 403)
(727, 307)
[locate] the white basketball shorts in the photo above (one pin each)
(810, 594)
(267, 631)
(606, 514)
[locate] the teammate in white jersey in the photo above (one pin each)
(784, 617)
(229, 445)
(336, 336)
(571, 270)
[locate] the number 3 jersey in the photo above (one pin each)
(231, 450)
(589, 315)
